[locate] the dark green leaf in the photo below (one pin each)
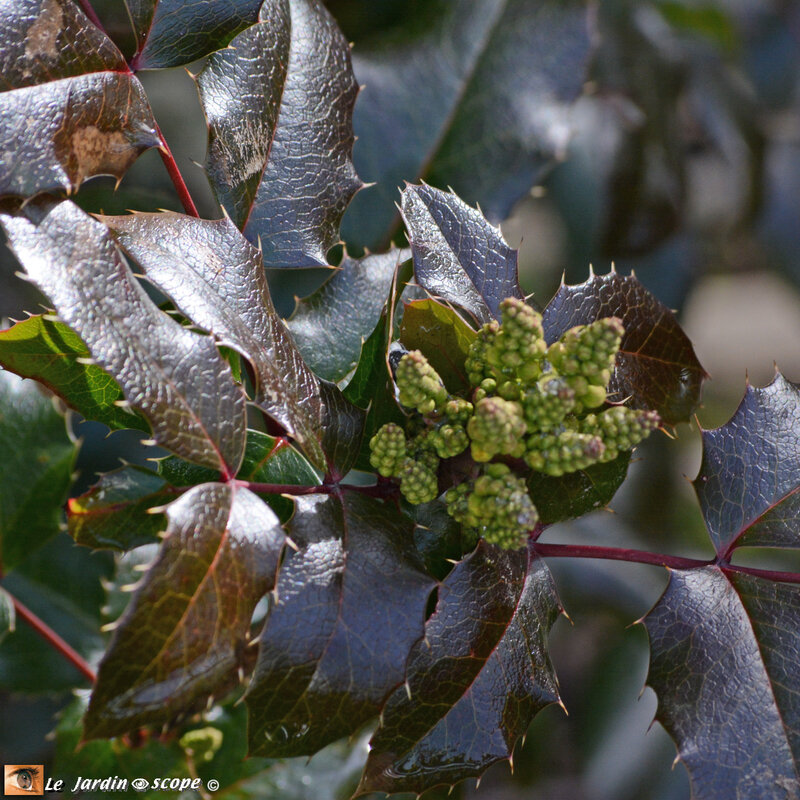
(458, 255)
(749, 481)
(476, 680)
(174, 32)
(62, 584)
(279, 103)
(442, 336)
(175, 377)
(102, 759)
(372, 386)
(330, 326)
(8, 620)
(724, 666)
(217, 279)
(35, 468)
(69, 109)
(350, 604)
(433, 106)
(656, 366)
(577, 493)
(181, 638)
(114, 514)
(439, 539)
(48, 351)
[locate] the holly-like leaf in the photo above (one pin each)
(442, 337)
(724, 666)
(53, 354)
(174, 32)
(577, 493)
(350, 604)
(749, 481)
(279, 103)
(114, 514)
(217, 279)
(176, 378)
(656, 365)
(35, 469)
(501, 65)
(8, 620)
(458, 255)
(330, 325)
(180, 639)
(475, 681)
(69, 109)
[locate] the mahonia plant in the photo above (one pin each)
(341, 524)
(529, 405)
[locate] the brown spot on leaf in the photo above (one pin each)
(96, 152)
(42, 38)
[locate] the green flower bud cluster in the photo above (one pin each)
(496, 506)
(532, 407)
(419, 384)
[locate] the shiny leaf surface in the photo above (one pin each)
(8, 621)
(330, 325)
(279, 104)
(656, 366)
(724, 650)
(350, 604)
(577, 493)
(176, 378)
(458, 255)
(476, 680)
(113, 514)
(181, 637)
(434, 101)
(174, 32)
(749, 481)
(49, 352)
(442, 337)
(68, 108)
(35, 470)
(217, 279)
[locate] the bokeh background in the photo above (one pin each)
(683, 164)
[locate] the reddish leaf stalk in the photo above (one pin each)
(175, 175)
(376, 490)
(86, 6)
(54, 640)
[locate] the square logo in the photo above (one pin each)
(23, 780)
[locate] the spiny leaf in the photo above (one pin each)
(433, 103)
(656, 366)
(279, 103)
(350, 604)
(174, 32)
(68, 107)
(577, 493)
(442, 336)
(217, 279)
(114, 512)
(180, 639)
(49, 351)
(35, 468)
(749, 481)
(724, 666)
(475, 681)
(458, 255)
(7, 614)
(330, 325)
(176, 378)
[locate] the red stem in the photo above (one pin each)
(617, 554)
(376, 490)
(54, 640)
(767, 574)
(175, 175)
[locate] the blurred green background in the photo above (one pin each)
(683, 165)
